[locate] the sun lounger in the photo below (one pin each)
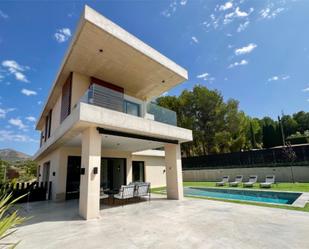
(238, 180)
(251, 181)
(268, 182)
(225, 179)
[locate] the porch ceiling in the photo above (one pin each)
(110, 142)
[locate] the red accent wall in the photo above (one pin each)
(106, 84)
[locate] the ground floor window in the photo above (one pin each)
(138, 171)
(73, 177)
(113, 175)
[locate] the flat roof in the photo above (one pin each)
(102, 49)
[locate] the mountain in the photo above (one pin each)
(13, 155)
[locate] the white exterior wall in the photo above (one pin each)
(55, 122)
(57, 161)
(80, 84)
(154, 168)
(155, 171)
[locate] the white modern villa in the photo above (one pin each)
(99, 126)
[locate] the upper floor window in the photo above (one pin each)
(48, 120)
(66, 98)
(131, 108)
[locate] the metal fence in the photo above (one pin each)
(248, 159)
(33, 191)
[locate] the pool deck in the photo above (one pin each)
(302, 200)
(161, 223)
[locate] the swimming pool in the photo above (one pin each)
(244, 195)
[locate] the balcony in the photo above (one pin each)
(105, 97)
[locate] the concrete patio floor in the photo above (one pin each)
(161, 223)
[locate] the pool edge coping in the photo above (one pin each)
(301, 201)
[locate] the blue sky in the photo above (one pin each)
(254, 51)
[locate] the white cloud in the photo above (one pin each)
(240, 63)
(62, 35)
(16, 69)
(6, 135)
(206, 76)
(243, 26)
(170, 10)
(3, 112)
(172, 7)
(278, 77)
(18, 123)
(236, 14)
(246, 49)
(28, 92)
(3, 15)
(39, 102)
(226, 6)
(12, 66)
(183, 2)
(240, 13)
(31, 119)
(306, 89)
(228, 18)
(270, 11)
(202, 76)
(274, 78)
(194, 39)
(21, 77)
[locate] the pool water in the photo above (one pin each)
(244, 195)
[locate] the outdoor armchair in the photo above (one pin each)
(142, 189)
(102, 194)
(125, 192)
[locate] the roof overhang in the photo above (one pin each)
(102, 49)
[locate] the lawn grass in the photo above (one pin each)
(297, 187)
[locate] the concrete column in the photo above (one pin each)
(61, 176)
(174, 185)
(89, 197)
(129, 169)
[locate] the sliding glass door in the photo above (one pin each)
(113, 173)
(138, 172)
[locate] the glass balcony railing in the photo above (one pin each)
(162, 114)
(118, 101)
